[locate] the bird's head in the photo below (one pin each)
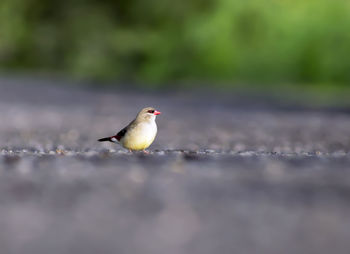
(148, 114)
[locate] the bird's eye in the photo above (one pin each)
(151, 111)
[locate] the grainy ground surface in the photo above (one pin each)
(225, 175)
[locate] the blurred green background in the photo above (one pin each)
(225, 42)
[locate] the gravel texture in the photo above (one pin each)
(226, 174)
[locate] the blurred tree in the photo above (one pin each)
(164, 40)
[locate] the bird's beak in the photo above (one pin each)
(156, 112)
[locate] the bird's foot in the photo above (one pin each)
(145, 152)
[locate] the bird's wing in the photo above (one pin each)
(122, 133)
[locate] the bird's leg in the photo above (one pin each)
(130, 151)
(145, 152)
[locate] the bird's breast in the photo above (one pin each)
(140, 137)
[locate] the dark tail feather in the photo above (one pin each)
(105, 139)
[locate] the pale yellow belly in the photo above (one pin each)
(139, 139)
(137, 143)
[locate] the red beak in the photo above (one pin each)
(156, 112)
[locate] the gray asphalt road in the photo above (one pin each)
(225, 175)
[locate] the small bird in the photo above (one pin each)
(140, 133)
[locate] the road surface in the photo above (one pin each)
(225, 174)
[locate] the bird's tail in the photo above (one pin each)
(110, 139)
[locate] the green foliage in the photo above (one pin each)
(165, 40)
